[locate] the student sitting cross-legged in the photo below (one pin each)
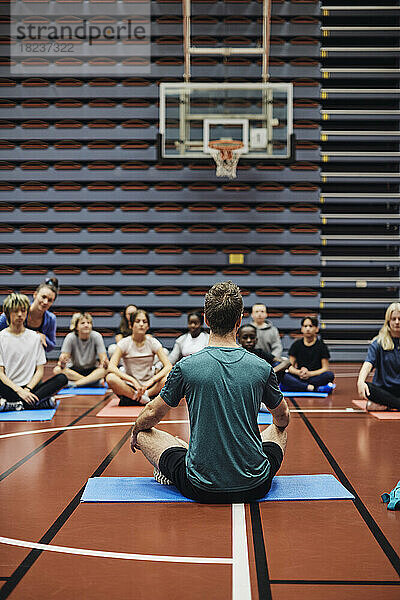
(22, 361)
(83, 357)
(383, 356)
(309, 359)
(138, 382)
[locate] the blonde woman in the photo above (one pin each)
(83, 357)
(138, 383)
(383, 356)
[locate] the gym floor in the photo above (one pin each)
(306, 550)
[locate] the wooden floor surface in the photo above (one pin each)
(307, 550)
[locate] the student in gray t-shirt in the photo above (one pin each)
(83, 357)
(227, 459)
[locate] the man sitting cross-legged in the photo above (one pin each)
(22, 361)
(227, 460)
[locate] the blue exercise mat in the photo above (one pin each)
(146, 489)
(264, 418)
(82, 391)
(305, 394)
(41, 414)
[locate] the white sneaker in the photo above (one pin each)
(6, 406)
(160, 478)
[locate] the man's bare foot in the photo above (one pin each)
(374, 407)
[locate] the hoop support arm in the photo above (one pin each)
(225, 51)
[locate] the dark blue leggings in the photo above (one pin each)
(292, 383)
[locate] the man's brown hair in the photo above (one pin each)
(223, 307)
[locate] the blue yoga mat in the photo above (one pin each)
(305, 394)
(264, 418)
(41, 414)
(146, 489)
(83, 391)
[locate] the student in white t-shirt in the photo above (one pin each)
(83, 357)
(22, 361)
(192, 341)
(138, 383)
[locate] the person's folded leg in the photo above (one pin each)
(291, 383)
(379, 395)
(50, 387)
(322, 379)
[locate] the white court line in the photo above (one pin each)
(176, 422)
(66, 428)
(346, 375)
(123, 555)
(241, 588)
(326, 410)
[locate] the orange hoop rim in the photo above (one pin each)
(227, 145)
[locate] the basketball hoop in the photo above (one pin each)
(226, 154)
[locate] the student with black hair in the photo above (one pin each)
(22, 361)
(39, 318)
(194, 340)
(247, 338)
(309, 359)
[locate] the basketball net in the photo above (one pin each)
(226, 154)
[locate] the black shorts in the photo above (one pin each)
(83, 370)
(172, 465)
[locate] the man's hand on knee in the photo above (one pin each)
(134, 440)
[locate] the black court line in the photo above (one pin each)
(260, 556)
(372, 525)
(51, 439)
(33, 555)
(330, 582)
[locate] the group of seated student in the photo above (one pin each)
(139, 365)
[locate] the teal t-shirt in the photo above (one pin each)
(223, 388)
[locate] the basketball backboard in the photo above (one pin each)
(260, 115)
